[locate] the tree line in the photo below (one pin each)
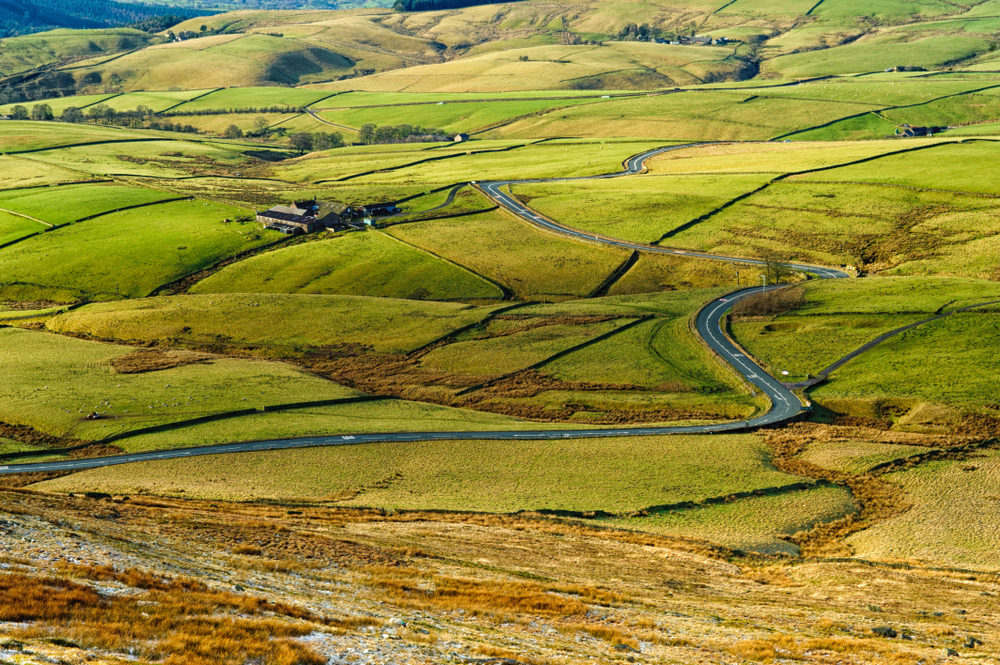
(432, 5)
(371, 134)
(22, 17)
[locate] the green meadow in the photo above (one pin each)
(70, 203)
(125, 254)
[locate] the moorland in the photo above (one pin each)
(522, 369)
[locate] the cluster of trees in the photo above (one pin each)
(22, 17)
(371, 134)
(432, 5)
(306, 142)
(632, 32)
(140, 117)
(248, 109)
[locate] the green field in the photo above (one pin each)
(495, 476)
(749, 524)
(241, 98)
(28, 135)
(53, 382)
(840, 316)
(133, 252)
(386, 325)
(72, 202)
(526, 261)
(451, 117)
(31, 51)
(363, 264)
(640, 209)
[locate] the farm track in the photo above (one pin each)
(709, 325)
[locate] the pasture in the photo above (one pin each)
(753, 524)
(70, 203)
(528, 262)
(13, 227)
(361, 264)
(136, 251)
(53, 382)
(384, 324)
(950, 521)
(494, 476)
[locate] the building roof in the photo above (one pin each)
(280, 216)
(289, 210)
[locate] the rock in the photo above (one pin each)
(950, 652)
(238, 587)
(884, 631)
(422, 631)
(972, 642)
(625, 647)
(960, 612)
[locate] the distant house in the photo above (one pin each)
(910, 131)
(697, 40)
(461, 138)
(287, 219)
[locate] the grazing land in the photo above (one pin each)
(482, 475)
(144, 310)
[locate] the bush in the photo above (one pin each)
(770, 303)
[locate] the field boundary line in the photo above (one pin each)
(21, 214)
(557, 355)
(90, 143)
(619, 272)
(458, 331)
(824, 374)
(505, 293)
(186, 101)
(711, 213)
(55, 184)
(426, 159)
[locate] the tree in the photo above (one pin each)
(71, 114)
(41, 112)
(775, 271)
(19, 112)
(261, 126)
(367, 133)
(101, 112)
(303, 142)
(233, 132)
(323, 141)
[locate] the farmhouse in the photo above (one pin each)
(379, 209)
(910, 131)
(288, 219)
(461, 138)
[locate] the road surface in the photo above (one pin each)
(785, 405)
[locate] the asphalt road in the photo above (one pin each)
(785, 405)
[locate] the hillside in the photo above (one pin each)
(585, 332)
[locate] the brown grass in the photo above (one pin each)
(770, 303)
(153, 360)
(176, 620)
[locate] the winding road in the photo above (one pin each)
(709, 322)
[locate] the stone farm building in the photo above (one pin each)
(306, 217)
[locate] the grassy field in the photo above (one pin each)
(20, 172)
(512, 352)
(639, 209)
(879, 229)
(72, 202)
(134, 252)
(149, 158)
(156, 100)
(951, 166)
(53, 382)
(691, 115)
(451, 117)
(749, 524)
(530, 263)
(386, 325)
(30, 135)
(840, 316)
(856, 456)
(942, 362)
(951, 520)
(611, 67)
(878, 54)
(495, 476)
(524, 161)
(244, 97)
(31, 51)
(362, 264)
(59, 104)
(865, 127)
(13, 227)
